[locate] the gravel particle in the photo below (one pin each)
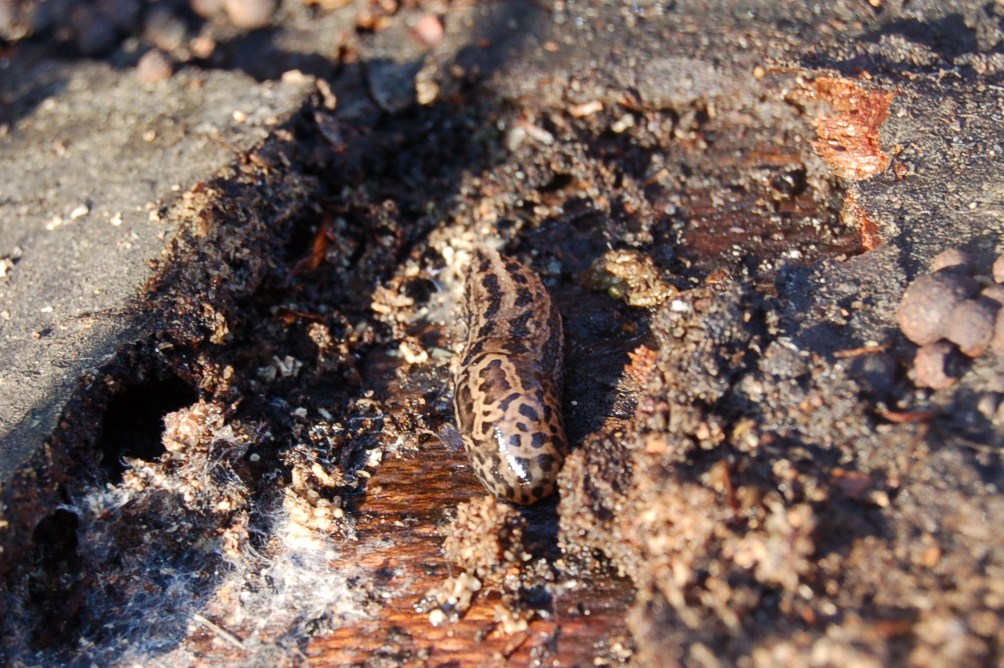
(249, 14)
(998, 269)
(429, 30)
(997, 343)
(79, 211)
(971, 326)
(207, 9)
(426, 92)
(988, 404)
(994, 293)
(202, 46)
(154, 66)
(937, 365)
(9, 20)
(952, 258)
(586, 109)
(166, 31)
(927, 305)
(877, 374)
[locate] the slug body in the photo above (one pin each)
(507, 389)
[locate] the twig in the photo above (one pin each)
(907, 417)
(219, 631)
(857, 352)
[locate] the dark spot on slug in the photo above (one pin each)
(516, 347)
(504, 404)
(519, 325)
(496, 385)
(526, 410)
(493, 306)
(484, 262)
(523, 297)
(490, 282)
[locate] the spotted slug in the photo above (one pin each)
(507, 387)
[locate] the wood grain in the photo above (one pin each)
(398, 533)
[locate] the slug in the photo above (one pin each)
(507, 387)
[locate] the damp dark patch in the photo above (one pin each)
(134, 421)
(54, 576)
(302, 234)
(559, 182)
(55, 539)
(420, 289)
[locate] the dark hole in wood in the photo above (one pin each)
(133, 423)
(55, 539)
(52, 582)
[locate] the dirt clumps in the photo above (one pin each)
(926, 310)
(952, 258)
(951, 310)
(937, 365)
(687, 521)
(486, 539)
(630, 276)
(154, 66)
(972, 326)
(750, 483)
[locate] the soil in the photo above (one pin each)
(726, 205)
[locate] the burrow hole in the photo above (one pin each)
(134, 421)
